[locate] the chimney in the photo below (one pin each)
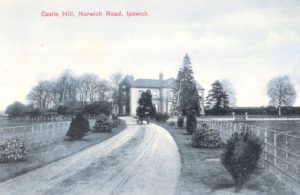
(161, 76)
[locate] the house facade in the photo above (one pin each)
(130, 91)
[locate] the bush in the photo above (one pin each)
(97, 108)
(241, 156)
(204, 137)
(191, 121)
(180, 121)
(78, 127)
(15, 109)
(12, 150)
(162, 117)
(103, 124)
(62, 110)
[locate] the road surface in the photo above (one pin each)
(142, 159)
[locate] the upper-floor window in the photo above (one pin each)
(154, 94)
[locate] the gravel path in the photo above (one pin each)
(142, 159)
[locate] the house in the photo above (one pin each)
(130, 91)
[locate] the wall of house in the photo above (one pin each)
(135, 94)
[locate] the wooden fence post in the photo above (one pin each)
(266, 148)
(275, 152)
(286, 154)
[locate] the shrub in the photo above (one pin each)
(78, 127)
(241, 156)
(180, 121)
(191, 121)
(15, 109)
(62, 110)
(12, 150)
(97, 108)
(204, 137)
(162, 117)
(103, 124)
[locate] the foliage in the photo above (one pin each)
(162, 117)
(241, 156)
(97, 108)
(217, 100)
(15, 109)
(78, 127)
(62, 110)
(204, 137)
(191, 121)
(12, 150)
(35, 112)
(103, 124)
(145, 103)
(185, 90)
(180, 121)
(281, 92)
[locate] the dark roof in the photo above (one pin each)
(153, 83)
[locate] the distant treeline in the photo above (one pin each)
(269, 110)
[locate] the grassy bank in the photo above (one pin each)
(62, 148)
(203, 173)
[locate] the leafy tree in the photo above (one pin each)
(97, 108)
(187, 97)
(217, 100)
(145, 102)
(281, 92)
(15, 109)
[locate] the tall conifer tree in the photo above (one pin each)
(186, 93)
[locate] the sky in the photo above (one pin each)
(247, 42)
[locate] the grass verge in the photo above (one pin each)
(203, 173)
(40, 156)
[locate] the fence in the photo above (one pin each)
(38, 134)
(281, 151)
(46, 118)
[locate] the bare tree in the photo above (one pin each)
(116, 78)
(230, 91)
(66, 87)
(90, 86)
(104, 90)
(41, 95)
(281, 92)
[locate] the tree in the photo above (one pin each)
(116, 79)
(104, 90)
(187, 97)
(230, 91)
(15, 109)
(217, 99)
(145, 102)
(281, 92)
(41, 95)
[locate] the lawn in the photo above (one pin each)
(203, 173)
(46, 154)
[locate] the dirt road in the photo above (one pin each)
(142, 159)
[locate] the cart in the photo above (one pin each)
(143, 114)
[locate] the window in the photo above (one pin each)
(154, 94)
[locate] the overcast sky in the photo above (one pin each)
(247, 42)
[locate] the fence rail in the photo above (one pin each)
(281, 151)
(38, 134)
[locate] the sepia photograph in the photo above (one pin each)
(169, 97)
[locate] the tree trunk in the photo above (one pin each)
(279, 111)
